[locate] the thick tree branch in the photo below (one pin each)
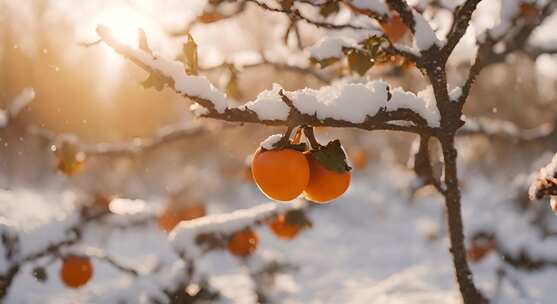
(382, 120)
(470, 293)
(15, 106)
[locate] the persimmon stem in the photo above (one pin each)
(308, 131)
(297, 136)
(285, 137)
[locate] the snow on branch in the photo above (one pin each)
(301, 69)
(461, 20)
(546, 183)
(521, 249)
(15, 106)
(518, 21)
(369, 106)
(370, 7)
(294, 13)
(196, 237)
(164, 135)
(375, 47)
(502, 129)
(424, 36)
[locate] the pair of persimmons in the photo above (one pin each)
(287, 169)
(243, 243)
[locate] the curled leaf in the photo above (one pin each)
(155, 80)
(329, 8)
(232, 86)
(69, 159)
(359, 62)
(189, 56)
(297, 218)
(323, 63)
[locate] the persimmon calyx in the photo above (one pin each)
(331, 156)
(283, 141)
(297, 218)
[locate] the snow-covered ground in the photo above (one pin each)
(374, 245)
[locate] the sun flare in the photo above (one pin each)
(124, 23)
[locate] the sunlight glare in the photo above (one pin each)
(124, 22)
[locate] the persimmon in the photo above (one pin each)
(394, 28)
(102, 201)
(325, 184)
(68, 159)
(359, 158)
(282, 174)
(173, 216)
(284, 229)
(481, 246)
(243, 243)
(76, 271)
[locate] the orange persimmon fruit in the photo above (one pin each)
(283, 229)
(68, 159)
(480, 248)
(325, 184)
(76, 271)
(243, 243)
(281, 174)
(359, 158)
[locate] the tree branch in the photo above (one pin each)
(164, 136)
(461, 21)
(217, 107)
(506, 130)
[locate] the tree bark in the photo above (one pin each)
(470, 294)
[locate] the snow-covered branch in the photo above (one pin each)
(546, 183)
(164, 135)
(506, 130)
(370, 106)
(194, 238)
(16, 106)
(512, 34)
(295, 14)
(424, 35)
(279, 66)
(461, 20)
